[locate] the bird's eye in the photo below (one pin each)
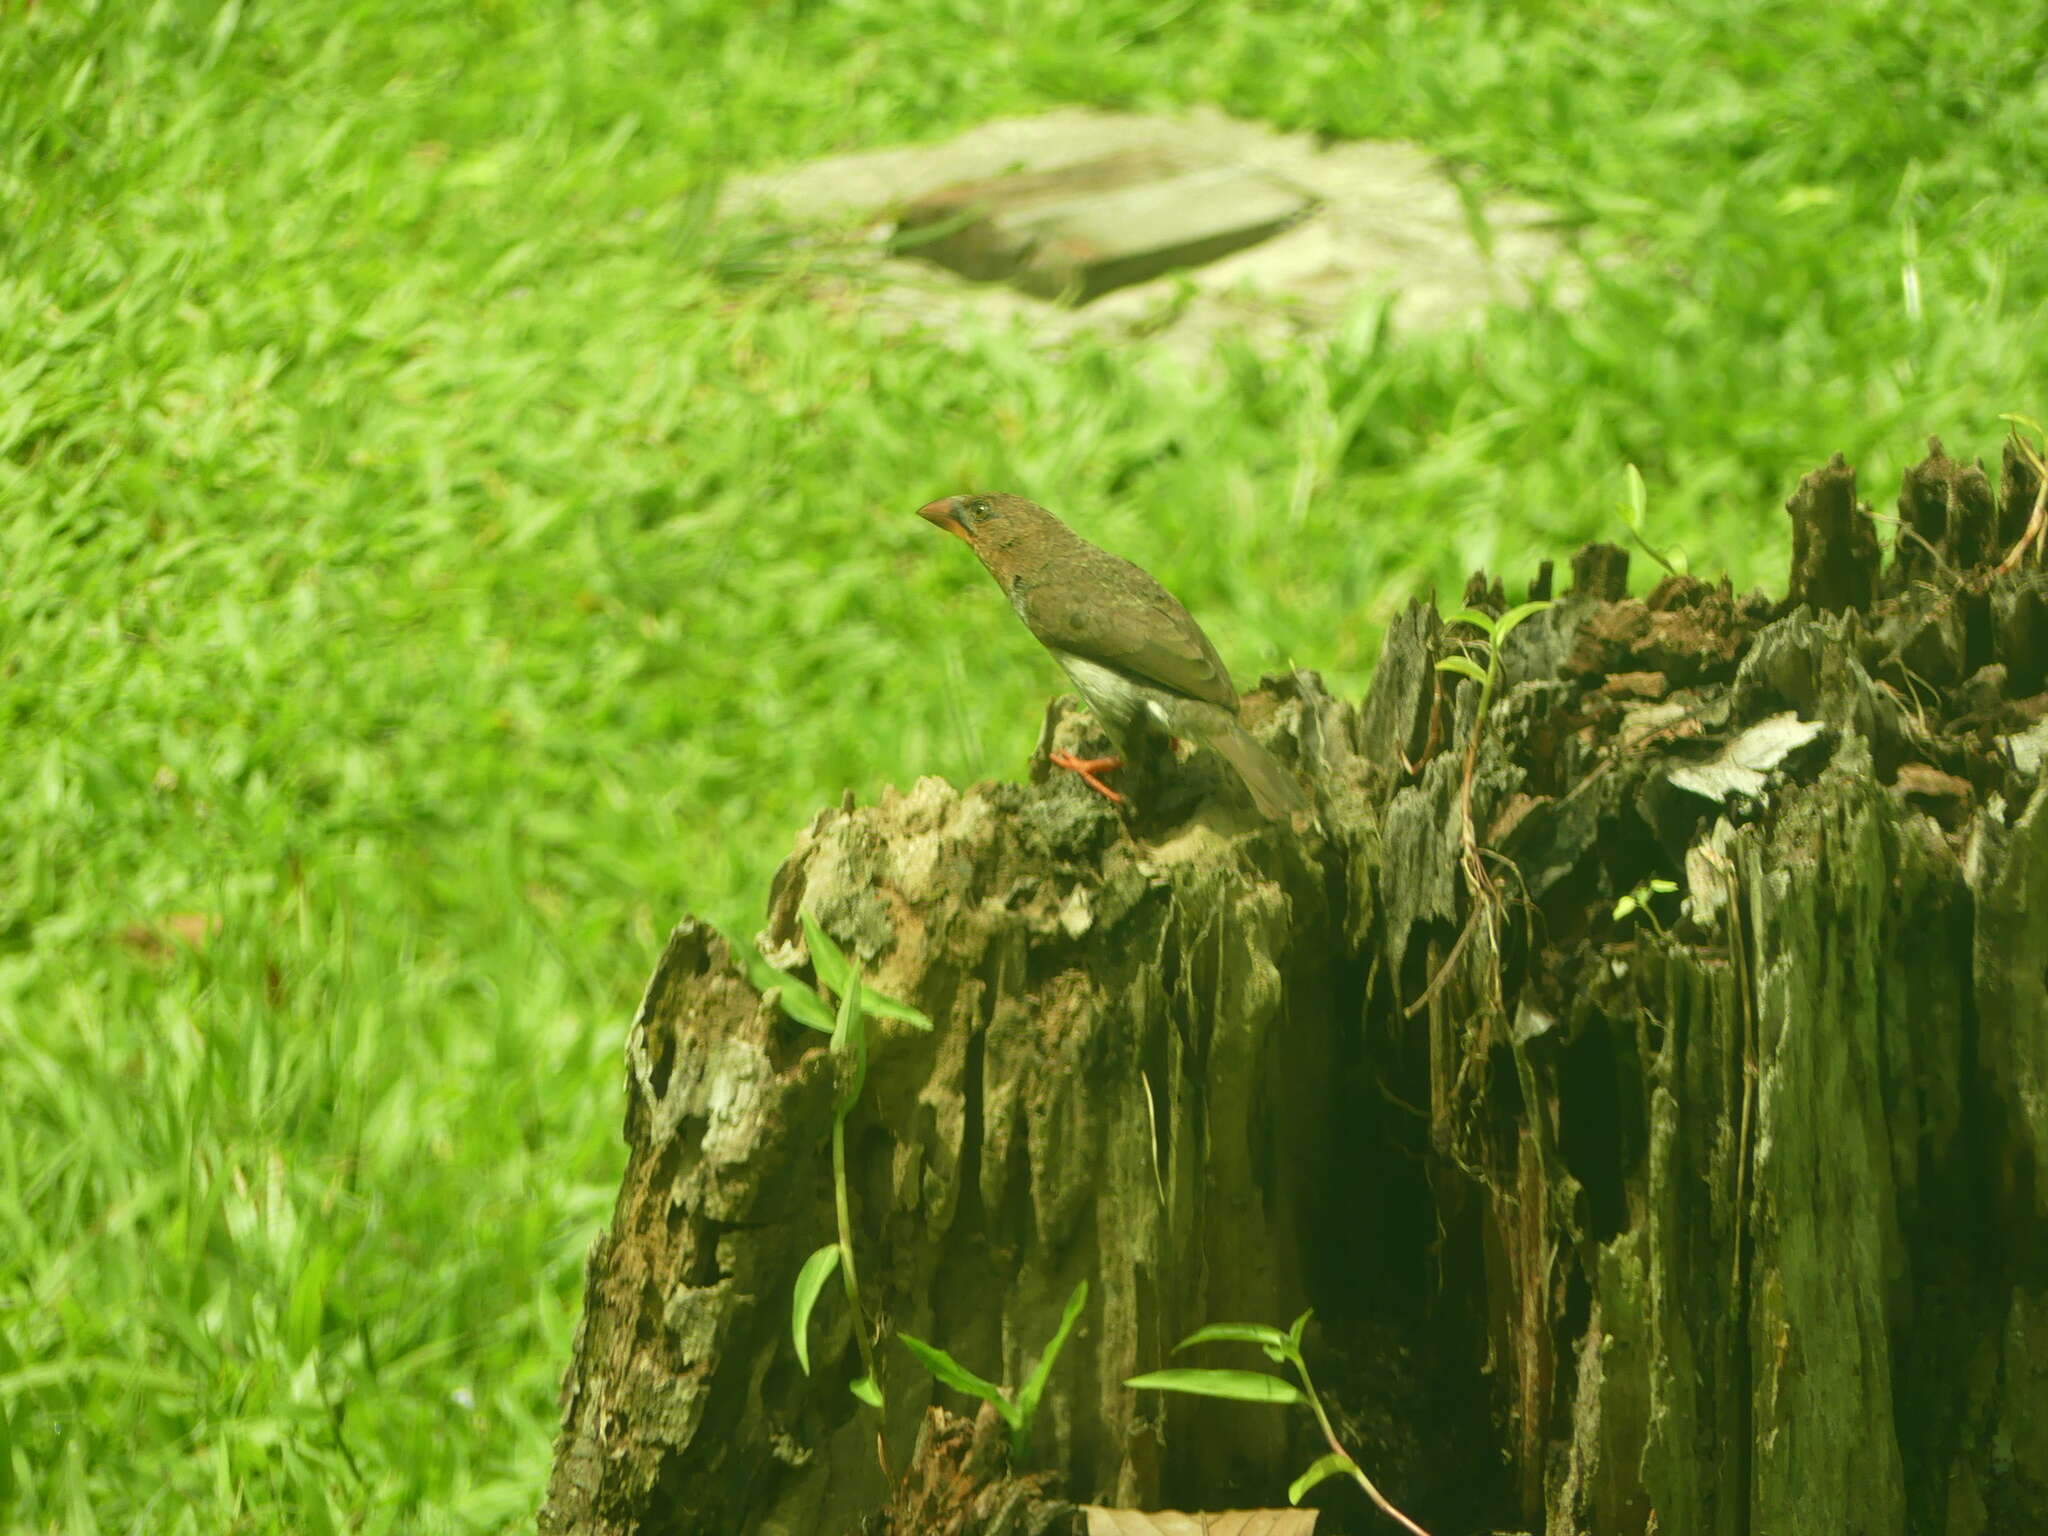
(980, 507)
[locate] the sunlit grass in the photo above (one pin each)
(433, 557)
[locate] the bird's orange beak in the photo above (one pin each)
(940, 514)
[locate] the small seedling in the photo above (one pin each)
(1635, 508)
(1018, 1412)
(834, 971)
(1262, 1387)
(1638, 900)
(1496, 632)
(848, 1028)
(1488, 678)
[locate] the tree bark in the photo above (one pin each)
(1722, 1216)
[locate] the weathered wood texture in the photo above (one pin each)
(1730, 1219)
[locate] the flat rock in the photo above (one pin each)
(1079, 231)
(1174, 227)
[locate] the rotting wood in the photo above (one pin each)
(1728, 1217)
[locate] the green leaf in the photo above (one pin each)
(888, 1008)
(847, 1034)
(1623, 907)
(1298, 1329)
(955, 1375)
(1234, 1333)
(827, 958)
(866, 1390)
(1336, 1464)
(1483, 622)
(1663, 887)
(810, 1280)
(1034, 1384)
(1464, 666)
(798, 1000)
(849, 1037)
(803, 1005)
(1515, 615)
(1638, 501)
(1242, 1386)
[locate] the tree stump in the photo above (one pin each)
(1727, 1213)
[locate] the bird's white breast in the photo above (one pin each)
(1109, 692)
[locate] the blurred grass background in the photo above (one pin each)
(434, 556)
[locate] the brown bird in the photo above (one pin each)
(1136, 654)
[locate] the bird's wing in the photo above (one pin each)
(1135, 626)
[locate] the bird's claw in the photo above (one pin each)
(1088, 767)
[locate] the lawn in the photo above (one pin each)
(435, 555)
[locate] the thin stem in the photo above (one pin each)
(1476, 878)
(1475, 871)
(1294, 1358)
(846, 1270)
(2035, 523)
(1651, 550)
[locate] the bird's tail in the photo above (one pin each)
(1274, 790)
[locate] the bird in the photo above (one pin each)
(1136, 655)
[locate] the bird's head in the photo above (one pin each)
(1006, 531)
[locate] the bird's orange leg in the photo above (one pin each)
(1088, 767)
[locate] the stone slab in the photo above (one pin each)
(1079, 231)
(1387, 222)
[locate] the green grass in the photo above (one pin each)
(433, 557)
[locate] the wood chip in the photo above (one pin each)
(1923, 779)
(1637, 685)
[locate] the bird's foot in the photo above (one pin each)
(1088, 767)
